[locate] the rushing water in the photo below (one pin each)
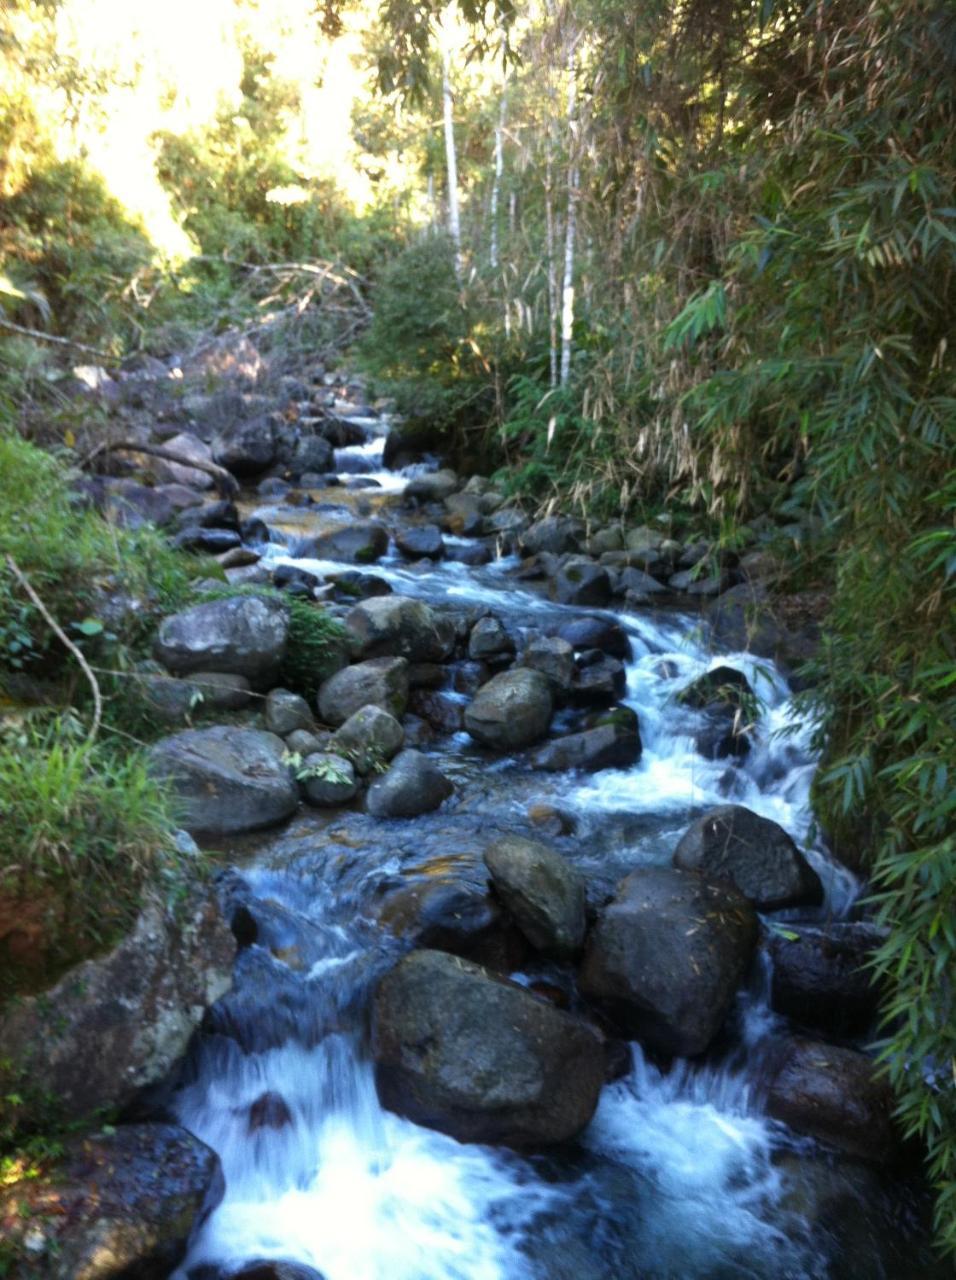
(680, 1176)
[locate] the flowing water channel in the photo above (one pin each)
(680, 1176)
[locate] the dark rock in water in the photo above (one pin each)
(612, 742)
(489, 639)
(820, 975)
(380, 682)
(427, 675)
(558, 535)
(211, 541)
(725, 696)
(723, 686)
(471, 553)
(115, 1205)
(456, 916)
(554, 658)
(464, 515)
(412, 785)
(361, 542)
(666, 957)
(596, 633)
(420, 542)
(468, 677)
(434, 486)
(542, 891)
(78, 1043)
(742, 618)
(460, 1050)
(226, 780)
(213, 515)
(273, 487)
(244, 635)
(289, 577)
(582, 582)
(353, 585)
(247, 448)
(599, 680)
(261, 1269)
(445, 712)
(723, 737)
(327, 780)
(312, 453)
(269, 1111)
(369, 738)
(400, 626)
(255, 532)
(286, 712)
(734, 844)
(511, 711)
(834, 1095)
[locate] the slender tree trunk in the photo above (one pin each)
(574, 179)
(499, 170)
(451, 162)
(552, 267)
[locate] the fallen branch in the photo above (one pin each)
(61, 635)
(40, 336)
(226, 484)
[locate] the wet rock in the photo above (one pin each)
(400, 626)
(582, 582)
(550, 820)
(464, 515)
(115, 1205)
(667, 955)
(77, 1042)
(213, 542)
(468, 677)
(733, 844)
(263, 1269)
(412, 785)
(489, 639)
(361, 542)
(506, 524)
(225, 780)
(459, 1050)
(269, 1111)
(554, 658)
(821, 976)
(542, 891)
(246, 448)
(239, 557)
(558, 535)
(613, 742)
(295, 580)
(434, 486)
(426, 675)
(191, 448)
(420, 542)
(327, 779)
(312, 453)
(370, 737)
(596, 633)
(353, 585)
(379, 682)
(444, 711)
(511, 711)
(244, 635)
(720, 687)
(456, 916)
(303, 743)
(470, 553)
(743, 618)
(834, 1095)
(286, 712)
(599, 680)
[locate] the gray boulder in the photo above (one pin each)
(226, 780)
(175, 700)
(511, 711)
(369, 738)
(582, 582)
(542, 891)
(242, 635)
(117, 1023)
(420, 542)
(596, 633)
(489, 639)
(189, 447)
(361, 542)
(557, 535)
(247, 448)
(599, 680)
(413, 784)
(434, 486)
(460, 1050)
(379, 682)
(734, 844)
(327, 779)
(821, 976)
(119, 1203)
(312, 453)
(286, 712)
(399, 626)
(613, 742)
(667, 955)
(554, 658)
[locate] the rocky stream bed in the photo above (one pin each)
(541, 970)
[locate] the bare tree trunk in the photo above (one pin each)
(499, 170)
(451, 162)
(552, 267)
(574, 179)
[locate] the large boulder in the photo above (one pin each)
(361, 542)
(723, 686)
(369, 738)
(286, 712)
(542, 891)
(247, 448)
(667, 955)
(379, 682)
(242, 635)
(554, 658)
(447, 910)
(433, 486)
(581, 581)
(480, 1058)
(836, 1096)
(596, 633)
(190, 448)
(599, 680)
(612, 742)
(734, 844)
(420, 542)
(555, 534)
(412, 785)
(117, 1023)
(399, 626)
(226, 780)
(116, 1204)
(313, 453)
(327, 779)
(489, 640)
(511, 711)
(821, 976)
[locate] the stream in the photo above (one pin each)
(680, 1176)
